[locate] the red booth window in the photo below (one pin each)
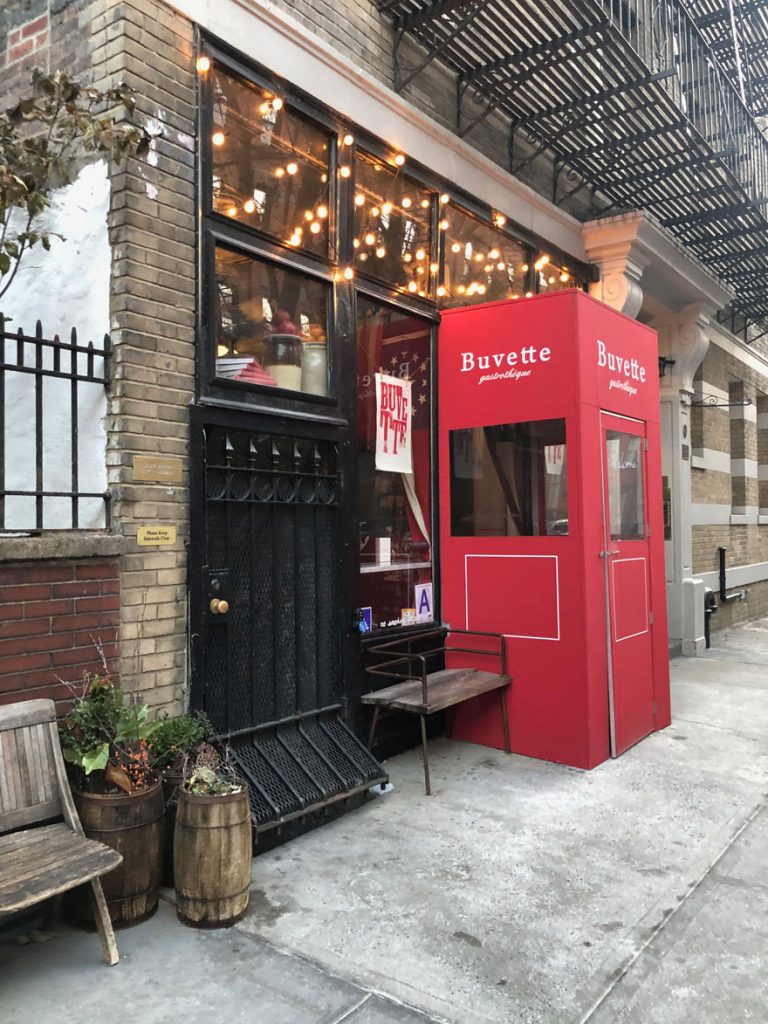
(509, 480)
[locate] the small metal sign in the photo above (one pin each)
(164, 469)
(156, 535)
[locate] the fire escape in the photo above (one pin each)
(649, 104)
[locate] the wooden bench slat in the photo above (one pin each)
(444, 689)
(62, 863)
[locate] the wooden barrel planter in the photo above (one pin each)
(212, 858)
(171, 786)
(132, 824)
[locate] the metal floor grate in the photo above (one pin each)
(301, 767)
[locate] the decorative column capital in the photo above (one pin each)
(683, 339)
(621, 269)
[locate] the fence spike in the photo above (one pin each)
(39, 331)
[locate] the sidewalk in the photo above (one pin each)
(520, 892)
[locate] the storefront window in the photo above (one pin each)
(271, 325)
(270, 167)
(509, 480)
(392, 227)
(481, 263)
(395, 512)
(552, 276)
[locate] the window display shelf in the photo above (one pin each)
(393, 566)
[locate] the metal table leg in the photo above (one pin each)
(504, 720)
(374, 723)
(424, 752)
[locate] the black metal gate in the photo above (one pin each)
(266, 623)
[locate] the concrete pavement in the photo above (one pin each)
(520, 892)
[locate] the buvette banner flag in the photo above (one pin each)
(393, 424)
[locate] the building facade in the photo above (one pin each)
(297, 228)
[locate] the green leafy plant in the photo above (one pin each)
(106, 738)
(39, 139)
(174, 740)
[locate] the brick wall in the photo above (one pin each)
(57, 620)
(152, 309)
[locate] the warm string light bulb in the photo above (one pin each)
(386, 208)
(280, 172)
(406, 203)
(349, 273)
(444, 199)
(203, 64)
(292, 167)
(322, 211)
(381, 252)
(309, 215)
(232, 211)
(420, 254)
(441, 291)
(444, 225)
(424, 204)
(218, 138)
(456, 247)
(499, 220)
(249, 206)
(412, 286)
(541, 262)
(277, 103)
(348, 139)
(315, 227)
(564, 277)
(370, 238)
(433, 267)
(399, 159)
(344, 172)
(359, 200)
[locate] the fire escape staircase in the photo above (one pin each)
(637, 101)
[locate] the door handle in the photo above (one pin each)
(605, 554)
(218, 607)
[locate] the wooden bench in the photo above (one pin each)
(423, 693)
(44, 861)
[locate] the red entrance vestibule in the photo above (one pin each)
(551, 520)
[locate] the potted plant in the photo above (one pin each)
(107, 741)
(212, 843)
(173, 743)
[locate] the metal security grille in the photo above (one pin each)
(271, 652)
(272, 546)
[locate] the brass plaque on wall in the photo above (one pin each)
(164, 469)
(150, 535)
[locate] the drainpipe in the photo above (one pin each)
(737, 595)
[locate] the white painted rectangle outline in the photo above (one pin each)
(514, 636)
(614, 562)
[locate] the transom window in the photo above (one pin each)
(270, 167)
(393, 227)
(482, 263)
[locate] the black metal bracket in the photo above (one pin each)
(712, 401)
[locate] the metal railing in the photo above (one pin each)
(46, 407)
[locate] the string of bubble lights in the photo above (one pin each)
(479, 266)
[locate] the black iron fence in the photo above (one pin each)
(51, 425)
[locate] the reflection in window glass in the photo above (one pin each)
(509, 480)
(270, 167)
(395, 512)
(481, 263)
(271, 325)
(624, 461)
(392, 227)
(551, 276)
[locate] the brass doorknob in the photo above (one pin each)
(218, 607)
